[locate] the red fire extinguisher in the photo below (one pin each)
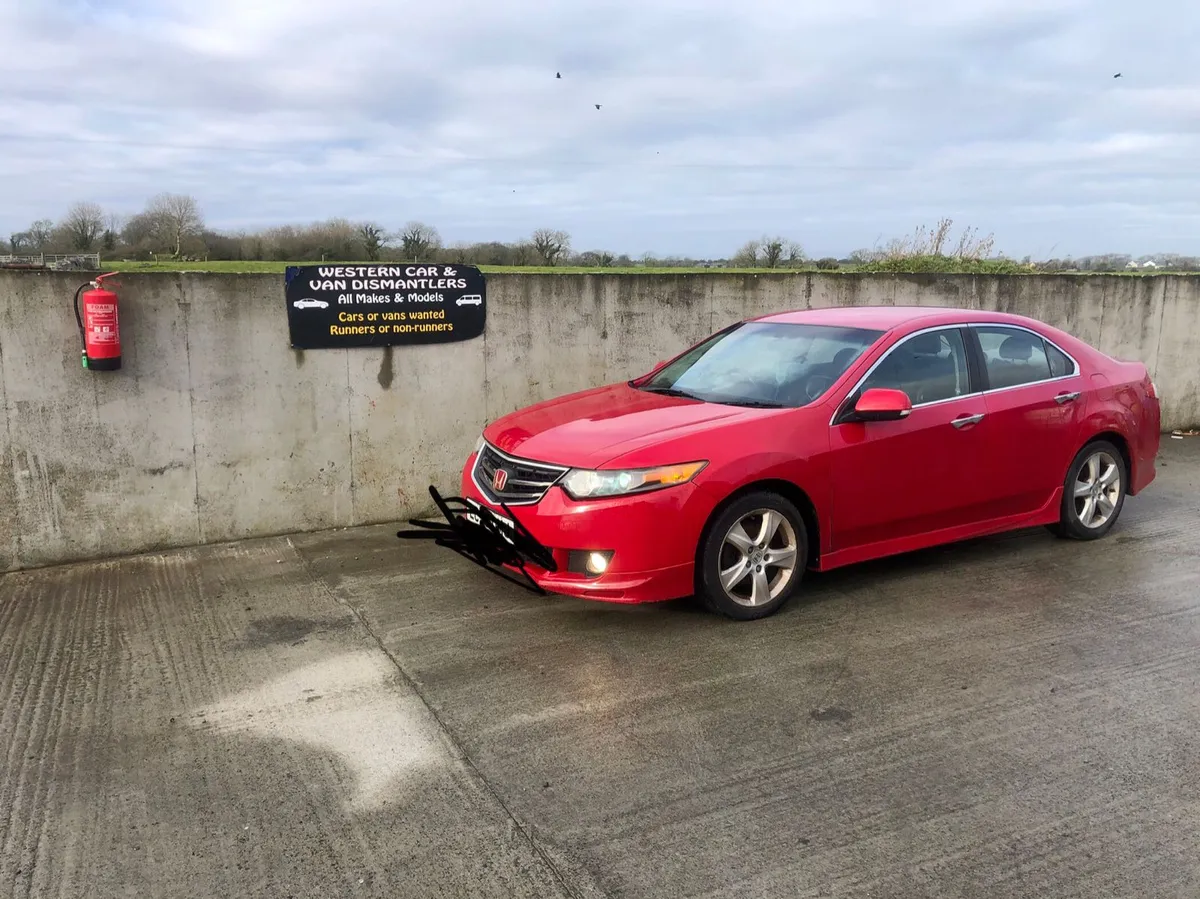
(99, 328)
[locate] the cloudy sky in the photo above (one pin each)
(838, 125)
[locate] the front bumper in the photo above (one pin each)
(652, 538)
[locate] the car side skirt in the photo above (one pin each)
(1046, 514)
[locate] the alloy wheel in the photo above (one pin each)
(757, 557)
(1097, 490)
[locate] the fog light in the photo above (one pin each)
(590, 562)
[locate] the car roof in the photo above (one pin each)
(885, 318)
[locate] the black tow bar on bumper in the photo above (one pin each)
(475, 532)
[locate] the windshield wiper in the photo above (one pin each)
(672, 391)
(753, 404)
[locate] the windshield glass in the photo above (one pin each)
(764, 364)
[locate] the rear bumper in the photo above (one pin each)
(652, 539)
(1145, 453)
(1144, 472)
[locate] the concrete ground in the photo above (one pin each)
(347, 714)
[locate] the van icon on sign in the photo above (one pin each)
(470, 299)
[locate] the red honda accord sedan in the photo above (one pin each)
(814, 439)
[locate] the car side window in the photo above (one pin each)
(928, 367)
(1060, 365)
(1013, 357)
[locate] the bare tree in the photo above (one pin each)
(776, 250)
(598, 258)
(550, 245)
(39, 234)
(772, 251)
(138, 232)
(83, 224)
(175, 216)
(374, 240)
(418, 239)
(114, 222)
(747, 256)
(337, 238)
(524, 253)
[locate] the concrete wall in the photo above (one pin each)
(215, 429)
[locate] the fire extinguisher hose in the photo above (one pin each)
(79, 320)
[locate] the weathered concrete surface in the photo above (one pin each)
(8, 488)
(347, 714)
(272, 427)
(98, 465)
(218, 724)
(216, 430)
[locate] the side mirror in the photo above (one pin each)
(882, 404)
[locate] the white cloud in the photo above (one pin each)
(830, 123)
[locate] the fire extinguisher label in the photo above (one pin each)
(102, 322)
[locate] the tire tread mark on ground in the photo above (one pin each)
(192, 656)
(52, 729)
(48, 725)
(79, 677)
(22, 726)
(93, 729)
(445, 729)
(14, 605)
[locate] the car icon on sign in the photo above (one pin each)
(310, 303)
(470, 299)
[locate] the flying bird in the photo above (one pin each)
(1118, 75)
(558, 74)
(597, 105)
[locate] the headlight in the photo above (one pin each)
(584, 484)
(479, 445)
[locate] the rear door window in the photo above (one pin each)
(1013, 357)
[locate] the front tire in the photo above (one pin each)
(1093, 493)
(753, 557)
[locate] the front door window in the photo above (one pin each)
(929, 367)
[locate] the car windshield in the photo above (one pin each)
(769, 364)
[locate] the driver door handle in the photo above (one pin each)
(1066, 397)
(963, 420)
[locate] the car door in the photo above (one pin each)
(924, 473)
(1035, 396)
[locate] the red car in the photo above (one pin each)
(814, 439)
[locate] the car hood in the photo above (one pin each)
(589, 428)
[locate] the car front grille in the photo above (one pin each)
(526, 482)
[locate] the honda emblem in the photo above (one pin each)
(499, 479)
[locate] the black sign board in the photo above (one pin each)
(383, 304)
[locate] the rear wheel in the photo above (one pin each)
(1093, 494)
(753, 557)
